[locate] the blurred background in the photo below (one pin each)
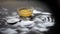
(9, 6)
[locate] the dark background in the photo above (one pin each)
(54, 6)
